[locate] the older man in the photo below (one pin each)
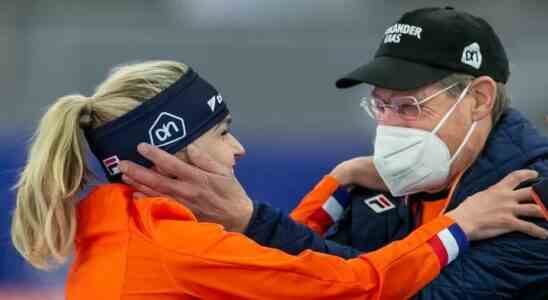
(444, 132)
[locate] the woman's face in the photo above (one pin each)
(220, 144)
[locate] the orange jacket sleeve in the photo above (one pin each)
(204, 261)
(310, 211)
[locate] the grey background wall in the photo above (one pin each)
(274, 60)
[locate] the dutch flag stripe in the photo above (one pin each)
(321, 217)
(333, 208)
(437, 245)
(448, 243)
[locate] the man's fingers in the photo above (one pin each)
(138, 195)
(168, 163)
(512, 180)
(146, 177)
(143, 189)
(203, 161)
(531, 229)
(152, 183)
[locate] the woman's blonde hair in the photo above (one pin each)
(44, 221)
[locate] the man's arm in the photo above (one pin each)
(326, 203)
(271, 228)
(323, 206)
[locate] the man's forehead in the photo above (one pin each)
(386, 94)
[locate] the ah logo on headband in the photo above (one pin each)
(213, 100)
(166, 129)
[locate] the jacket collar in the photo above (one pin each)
(105, 210)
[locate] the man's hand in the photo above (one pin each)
(208, 189)
(497, 210)
(359, 171)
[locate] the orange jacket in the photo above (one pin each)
(155, 249)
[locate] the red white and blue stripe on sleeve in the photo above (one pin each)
(333, 209)
(448, 244)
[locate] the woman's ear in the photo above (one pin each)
(484, 91)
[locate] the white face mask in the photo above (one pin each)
(411, 160)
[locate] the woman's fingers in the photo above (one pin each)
(512, 180)
(528, 210)
(530, 229)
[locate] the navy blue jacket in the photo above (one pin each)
(513, 266)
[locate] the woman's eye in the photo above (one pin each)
(225, 132)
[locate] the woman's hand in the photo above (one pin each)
(496, 210)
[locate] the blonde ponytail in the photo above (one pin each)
(44, 221)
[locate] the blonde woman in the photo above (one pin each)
(154, 247)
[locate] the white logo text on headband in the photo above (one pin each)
(167, 129)
(214, 100)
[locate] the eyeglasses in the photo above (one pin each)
(407, 107)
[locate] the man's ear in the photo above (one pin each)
(484, 91)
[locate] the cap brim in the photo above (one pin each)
(393, 73)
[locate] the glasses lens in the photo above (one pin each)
(374, 107)
(407, 107)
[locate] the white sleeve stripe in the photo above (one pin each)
(333, 208)
(450, 244)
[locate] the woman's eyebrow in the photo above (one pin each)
(225, 122)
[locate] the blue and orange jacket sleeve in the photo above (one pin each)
(540, 195)
(322, 206)
(209, 263)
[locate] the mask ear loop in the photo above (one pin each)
(470, 131)
(468, 134)
(440, 124)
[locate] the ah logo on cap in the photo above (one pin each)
(471, 55)
(213, 100)
(379, 203)
(112, 164)
(166, 129)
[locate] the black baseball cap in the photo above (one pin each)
(428, 44)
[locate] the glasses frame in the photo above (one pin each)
(368, 102)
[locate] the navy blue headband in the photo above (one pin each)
(170, 120)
